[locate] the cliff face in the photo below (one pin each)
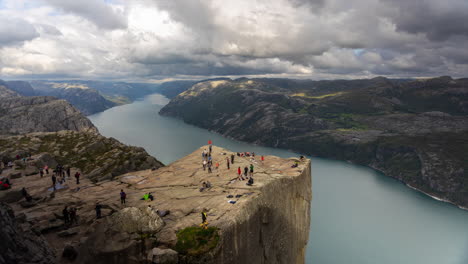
(274, 227)
(21, 246)
(21, 115)
(414, 131)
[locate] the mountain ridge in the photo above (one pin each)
(414, 131)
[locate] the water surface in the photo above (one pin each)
(359, 216)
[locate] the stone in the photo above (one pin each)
(28, 204)
(136, 220)
(68, 232)
(163, 256)
(15, 175)
(45, 159)
(69, 252)
(10, 196)
(14, 241)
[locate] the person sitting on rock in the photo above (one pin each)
(296, 164)
(150, 196)
(204, 223)
(145, 197)
(250, 182)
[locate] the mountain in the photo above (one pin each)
(21, 87)
(413, 130)
(87, 100)
(173, 88)
(5, 92)
(40, 114)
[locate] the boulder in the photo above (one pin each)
(28, 204)
(15, 175)
(69, 252)
(11, 196)
(68, 232)
(163, 256)
(45, 159)
(136, 220)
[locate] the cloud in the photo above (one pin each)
(96, 11)
(155, 39)
(438, 20)
(16, 31)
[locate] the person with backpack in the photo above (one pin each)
(123, 195)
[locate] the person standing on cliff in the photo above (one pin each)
(66, 215)
(239, 173)
(246, 171)
(77, 176)
(251, 170)
(232, 158)
(204, 164)
(46, 168)
(68, 172)
(98, 210)
(123, 196)
(227, 163)
(54, 180)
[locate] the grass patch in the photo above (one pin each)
(318, 96)
(195, 240)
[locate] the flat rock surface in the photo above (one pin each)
(175, 187)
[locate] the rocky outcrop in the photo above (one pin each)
(21, 115)
(267, 222)
(414, 131)
(21, 246)
(97, 157)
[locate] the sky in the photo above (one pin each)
(150, 40)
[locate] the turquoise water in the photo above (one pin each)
(359, 216)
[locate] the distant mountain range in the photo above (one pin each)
(20, 114)
(413, 130)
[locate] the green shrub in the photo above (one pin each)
(195, 240)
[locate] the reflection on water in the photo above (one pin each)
(359, 216)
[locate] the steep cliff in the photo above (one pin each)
(415, 131)
(267, 222)
(21, 246)
(21, 115)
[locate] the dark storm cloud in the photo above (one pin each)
(438, 20)
(96, 11)
(16, 31)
